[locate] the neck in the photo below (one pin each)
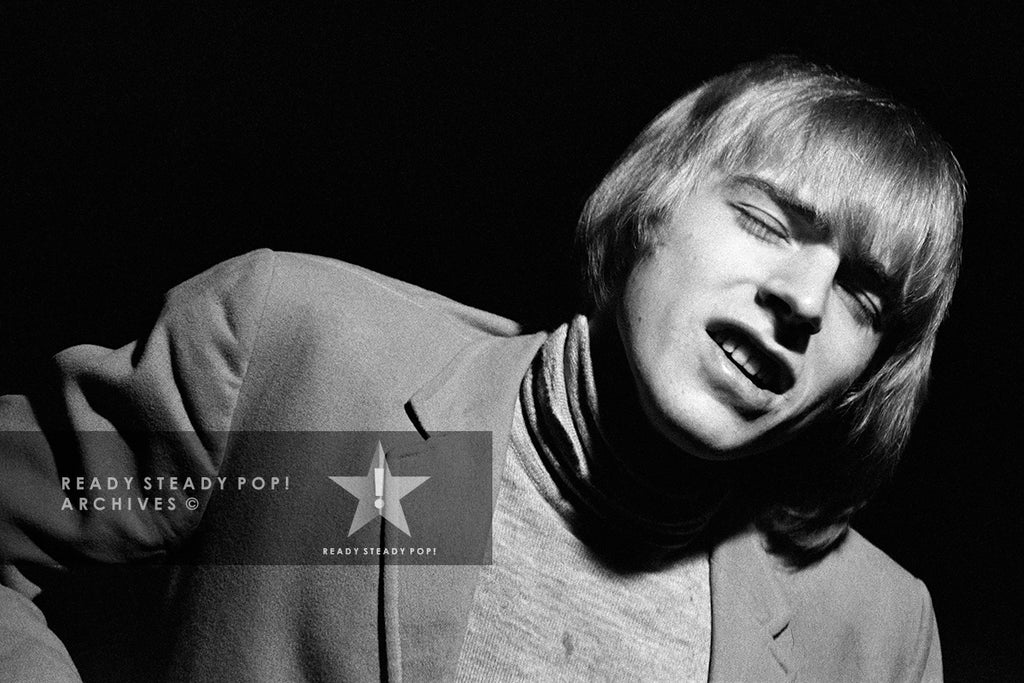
(620, 479)
(656, 464)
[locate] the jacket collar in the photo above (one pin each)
(426, 609)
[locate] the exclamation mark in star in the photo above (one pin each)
(379, 493)
(378, 481)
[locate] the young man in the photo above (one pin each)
(674, 474)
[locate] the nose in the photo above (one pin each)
(797, 290)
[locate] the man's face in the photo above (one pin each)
(745, 319)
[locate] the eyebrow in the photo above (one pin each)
(868, 269)
(785, 199)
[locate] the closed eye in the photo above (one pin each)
(868, 290)
(866, 307)
(759, 223)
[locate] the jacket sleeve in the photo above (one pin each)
(161, 406)
(928, 665)
(29, 651)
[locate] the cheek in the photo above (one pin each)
(656, 320)
(844, 355)
(640, 310)
(665, 285)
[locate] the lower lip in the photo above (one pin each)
(740, 390)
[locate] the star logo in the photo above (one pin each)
(380, 493)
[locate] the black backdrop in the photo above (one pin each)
(454, 149)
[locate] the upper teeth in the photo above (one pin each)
(746, 357)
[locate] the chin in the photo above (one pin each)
(704, 431)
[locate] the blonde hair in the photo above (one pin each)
(877, 172)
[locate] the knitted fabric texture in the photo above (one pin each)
(550, 606)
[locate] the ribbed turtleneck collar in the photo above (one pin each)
(593, 488)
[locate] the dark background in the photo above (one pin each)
(454, 149)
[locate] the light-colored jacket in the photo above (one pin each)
(285, 342)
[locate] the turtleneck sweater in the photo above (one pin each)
(554, 604)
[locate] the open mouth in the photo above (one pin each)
(761, 367)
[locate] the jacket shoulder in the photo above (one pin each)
(307, 284)
(860, 580)
(324, 283)
(337, 344)
(876, 616)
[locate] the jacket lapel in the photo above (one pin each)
(477, 391)
(425, 609)
(750, 635)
